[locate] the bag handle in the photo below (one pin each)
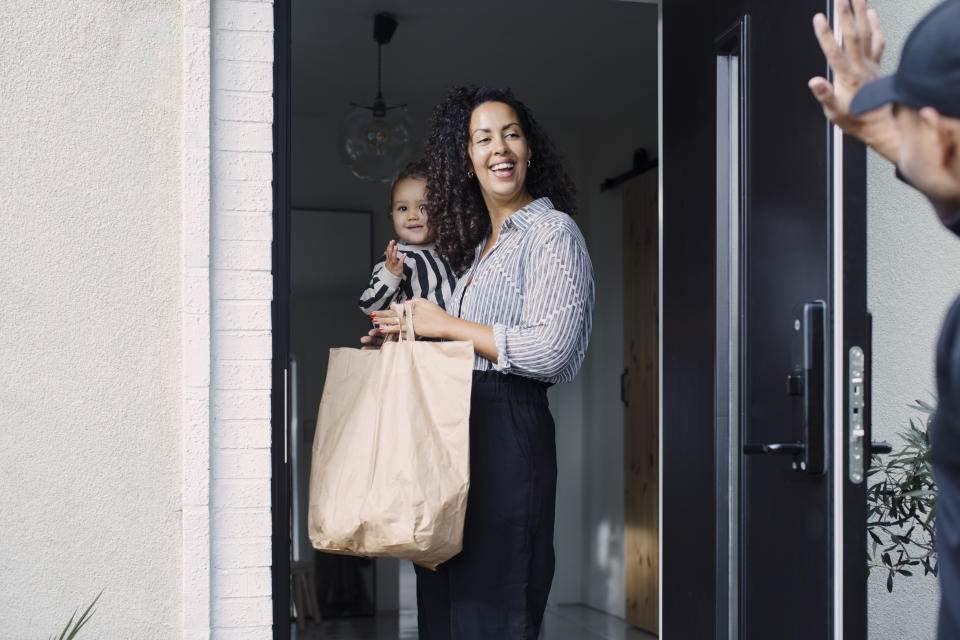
(404, 314)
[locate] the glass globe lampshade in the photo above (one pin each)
(376, 141)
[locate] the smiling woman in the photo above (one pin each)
(525, 299)
(461, 179)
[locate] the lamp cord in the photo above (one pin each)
(379, 62)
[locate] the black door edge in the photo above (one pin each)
(280, 317)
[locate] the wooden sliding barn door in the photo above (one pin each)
(640, 397)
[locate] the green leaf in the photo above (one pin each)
(72, 629)
(890, 582)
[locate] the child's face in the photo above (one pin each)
(409, 211)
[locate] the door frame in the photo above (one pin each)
(280, 318)
(679, 547)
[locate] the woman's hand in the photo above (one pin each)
(429, 320)
(372, 340)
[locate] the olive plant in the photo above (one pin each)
(901, 504)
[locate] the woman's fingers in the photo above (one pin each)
(386, 321)
(390, 326)
(372, 340)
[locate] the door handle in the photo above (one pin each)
(807, 383)
(775, 448)
(880, 447)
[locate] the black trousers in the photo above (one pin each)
(496, 588)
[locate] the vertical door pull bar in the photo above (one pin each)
(807, 383)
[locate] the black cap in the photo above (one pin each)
(929, 70)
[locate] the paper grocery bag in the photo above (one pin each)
(391, 456)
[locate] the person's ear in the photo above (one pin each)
(946, 134)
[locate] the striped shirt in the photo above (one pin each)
(535, 287)
(425, 275)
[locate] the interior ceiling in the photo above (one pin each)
(568, 57)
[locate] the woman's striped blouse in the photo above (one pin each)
(535, 287)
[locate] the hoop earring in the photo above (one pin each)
(470, 174)
(528, 162)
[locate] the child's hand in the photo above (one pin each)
(394, 259)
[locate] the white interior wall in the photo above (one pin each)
(912, 278)
(603, 518)
(90, 323)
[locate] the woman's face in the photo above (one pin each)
(498, 152)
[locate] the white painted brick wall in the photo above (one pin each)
(244, 107)
(240, 583)
(241, 289)
(242, 434)
(245, 633)
(242, 15)
(242, 136)
(244, 345)
(242, 554)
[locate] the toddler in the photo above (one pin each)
(410, 267)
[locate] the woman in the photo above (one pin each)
(525, 298)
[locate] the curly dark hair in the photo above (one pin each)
(457, 209)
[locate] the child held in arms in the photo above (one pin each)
(410, 267)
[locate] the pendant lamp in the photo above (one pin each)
(376, 140)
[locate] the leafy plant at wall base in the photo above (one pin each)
(70, 631)
(901, 497)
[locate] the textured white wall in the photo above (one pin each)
(913, 267)
(89, 319)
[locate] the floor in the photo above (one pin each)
(563, 622)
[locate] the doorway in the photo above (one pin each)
(589, 73)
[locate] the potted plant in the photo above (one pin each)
(901, 508)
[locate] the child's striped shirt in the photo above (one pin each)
(425, 275)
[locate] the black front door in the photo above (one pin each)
(764, 309)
